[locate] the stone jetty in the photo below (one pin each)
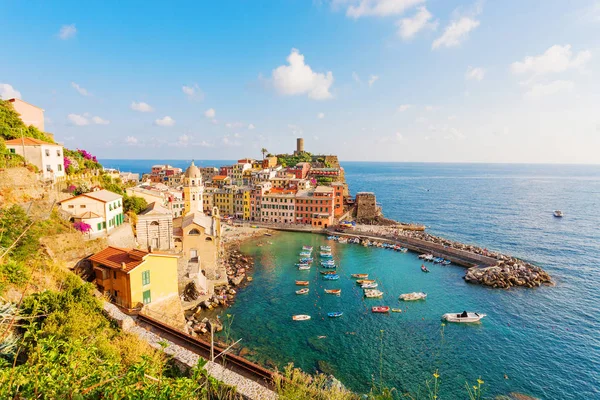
(505, 274)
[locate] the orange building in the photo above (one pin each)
(338, 198)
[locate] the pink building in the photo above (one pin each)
(30, 114)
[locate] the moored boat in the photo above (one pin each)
(309, 248)
(424, 268)
(304, 267)
(373, 293)
(413, 296)
(305, 254)
(369, 285)
(396, 310)
(302, 283)
(361, 281)
(333, 291)
(303, 291)
(302, 264)
(305, 260)
(333, 277)
(325, 248)
(362, 276)
(380, 309)
(325, 255)
(328, 272)
(558, 214)
(301, 317)
(464, 317)
(335, 314)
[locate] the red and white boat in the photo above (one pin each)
(301, 317)
(380, 309)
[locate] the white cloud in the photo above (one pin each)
(165, 121)
(67, 31)
(475, 73)
(251, 126)
(193, 92)
(78, 120)
(141, 107)
(8, 92)
(82, 91)
(404, 107)
(182, 141)
(298, 78)
(296, 130)
(456, 32)
(100, 121)
(321, 115)
(379, 8)
(556, 59)
(547, 89)
(373, 79)
(409, 27)
(228, 142)
(131, 140)
(234, 125)
(210, 113)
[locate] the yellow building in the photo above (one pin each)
(247, 196)
(224, 200)
(134, 278)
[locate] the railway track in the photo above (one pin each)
(198, 346)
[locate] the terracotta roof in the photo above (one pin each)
(116, 257)
(155, 209)
(219, 177)
(28, 141)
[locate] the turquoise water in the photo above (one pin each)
(546, 340)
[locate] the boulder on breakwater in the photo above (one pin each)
(509, 273)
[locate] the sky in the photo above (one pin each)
(370, 80)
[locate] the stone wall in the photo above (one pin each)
(366, 206)
(156, 231)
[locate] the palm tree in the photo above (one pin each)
(264, 151)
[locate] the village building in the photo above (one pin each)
(154, 228)
(315, 207)
(277, 206)
(29, 114)
(102, 210)
(47, 157)
(135, 278)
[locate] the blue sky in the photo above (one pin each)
(393, 80)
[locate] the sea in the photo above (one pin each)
(542, 342)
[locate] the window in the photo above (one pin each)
(71, 206)
(82, 206)
(12, 151)
(110, 207)
(146, 278)
(48, 168)
(59, 167)
(47, 152)
(115, 274)
(104, 225)
(146, 297)
(58, 153)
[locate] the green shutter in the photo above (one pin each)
(146, 297)
(146, 278)
(99, 226)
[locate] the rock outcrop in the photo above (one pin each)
(505, 274)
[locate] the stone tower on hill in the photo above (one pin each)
(193, 189)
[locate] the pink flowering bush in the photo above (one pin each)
(82, 227)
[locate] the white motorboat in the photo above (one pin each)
(304, 267)
(464, 317)
(558, 213)
(301, 317)
(413, 296)
(372, 293)
(369, 285)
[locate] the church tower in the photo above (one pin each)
(192, 190)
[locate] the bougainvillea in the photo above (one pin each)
(82, 226)
(71, 188)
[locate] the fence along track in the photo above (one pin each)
(247, 368)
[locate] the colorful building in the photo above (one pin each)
(47, 157)
(224, 200)
(338, 198)
(277, 206)
(134, 278)
(29, 114)
(102, 210)
(315, 207)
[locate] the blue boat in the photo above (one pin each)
(331, 266)
(325, 262)
(302, 265)
(305, 254)
(306, 260)
(326, 255)
(331, 277)
(335, 314)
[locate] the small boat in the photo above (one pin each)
(304, 254)
(380, 309)
(325, 248)
(268, 234)
(426, 257)
(249, 278)
(558, 214)
(369, 285)
(302, 264)
(328, 272)
(403, 250)
(330, 266)
(361, 281)
(302, 283)
(373, 293)
(424, 268)
(328, 262)
(464, 317)
(303, 291)
(325, 255)
(446, 262)
(306, 260)
(362, 276)
(333, 277)
(396, 310)
(304, 267)
(333, 291)
(301, 317)
(335, 314)
(413, 296)
(309, 248)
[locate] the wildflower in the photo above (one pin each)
(474, 387)
(479, 381)
(228, 315)
(436, 375)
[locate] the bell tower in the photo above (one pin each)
(193, 189)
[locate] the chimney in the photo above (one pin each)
(123, 265)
